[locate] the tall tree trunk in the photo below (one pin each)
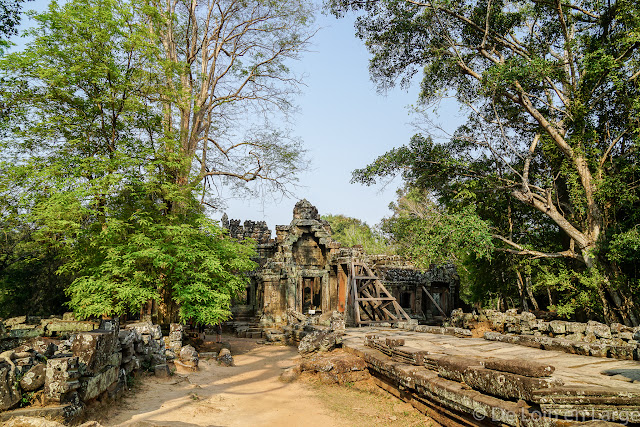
(527, 285)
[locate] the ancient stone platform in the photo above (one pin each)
(580, 388)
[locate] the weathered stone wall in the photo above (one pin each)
(80, 368)
(591, 338)
(256, 230)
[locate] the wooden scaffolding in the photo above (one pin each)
(372, 302)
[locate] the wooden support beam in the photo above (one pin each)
(433, 301)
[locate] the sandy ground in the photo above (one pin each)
(248, 394)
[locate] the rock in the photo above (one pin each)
(94, 349)
(558, 327)
(170, 354)
(32, 422)
(600, 330)
(162, 371)
(224, 357)
(320, 341)
(92, 387)
(9, 395)
(61, 379)
(147, 328)
(69, 316)
(527, 368)
(290, 374)
(453, 367)
(61, 327)
(188, 353)
(506, 385)
(33, 379)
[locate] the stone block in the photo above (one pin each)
(394, 342)
(543, 326)
(575, 327)
(624, 352)
(598, 350)
(453, 367)
(61, 379)
(132, 365)
(575, 337)
(59, 327)
(224, 357)
(115, 359)
(25, 332)
(162, 371)
(94, 386)
(126, 337)
(175, 336)
(147, 328)
(558, 327)
(527, 368)
(626, 336)
(13, 321)
(188, 353)
(183, 368)
(577, 395)
(600, 330)
(94, 349)
(506, 385)
(33, 379)
(110, 325)
(9, 395)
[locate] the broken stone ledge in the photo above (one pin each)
(587, 339)
(476, 395)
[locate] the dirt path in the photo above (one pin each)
(249, 394)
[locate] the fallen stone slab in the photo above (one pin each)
(454, 367)
(33, 379)
(575, 395)
(31, 416)
(506, 385)
(58, 327)
(527, 368)
(339, 362)
(9, 395)
(323, 340)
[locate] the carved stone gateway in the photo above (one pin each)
(304, 270)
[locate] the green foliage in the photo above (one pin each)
(548, 158)
(428, 234)
(352, 231)
(92, 185)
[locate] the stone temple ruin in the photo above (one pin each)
(305, 271)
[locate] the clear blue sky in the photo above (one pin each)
(344, 123)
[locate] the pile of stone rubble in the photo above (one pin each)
(57, 376)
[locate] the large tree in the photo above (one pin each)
(120, 114)
(552, 87)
